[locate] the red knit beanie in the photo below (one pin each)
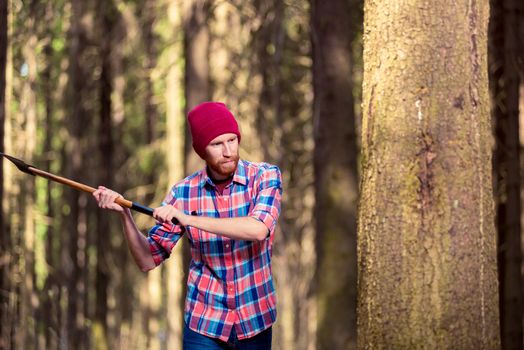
(209, 120)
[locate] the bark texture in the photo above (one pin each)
(427, 242)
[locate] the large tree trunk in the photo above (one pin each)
(505, 79)
(336, 185)
(427, 243)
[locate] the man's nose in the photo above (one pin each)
(227, 149)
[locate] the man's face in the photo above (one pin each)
(222, 155)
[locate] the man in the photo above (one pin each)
(228, 211)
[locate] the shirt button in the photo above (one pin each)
(227, 245)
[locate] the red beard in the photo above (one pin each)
(225, 166)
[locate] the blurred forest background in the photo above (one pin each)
(98, 91)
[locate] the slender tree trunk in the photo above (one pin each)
(50, 292)
(336, 186)
(269, 109)
(106, 171)
(155, 279)
(4, 236)
(427, 244)
(3, 67)
(197, 89)
(282, 122)
(26, 142)
(504, 55)
(150, 42)
(196, 52)
(50, 303)
(121, 333)
(11, 317)
(75, 221)
(176, 275)
(520, 47)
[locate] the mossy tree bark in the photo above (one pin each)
(427, 242)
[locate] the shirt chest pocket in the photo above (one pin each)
(209, 246)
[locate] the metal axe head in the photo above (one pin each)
(19, 164)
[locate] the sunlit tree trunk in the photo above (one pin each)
(11, 316)
(26, 144)
(176, 276)
(155, 304)
(427, 241)
(505, 85)
(196, 77)
(336, 189)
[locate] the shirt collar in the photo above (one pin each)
(240, 176)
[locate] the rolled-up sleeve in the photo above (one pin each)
(162, 238)
(267, 201)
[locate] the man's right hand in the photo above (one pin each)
(105, 199)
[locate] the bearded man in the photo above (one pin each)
(228, 211)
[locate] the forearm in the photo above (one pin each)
(137, 242)
(242, 228)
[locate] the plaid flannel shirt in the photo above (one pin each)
(230, 282)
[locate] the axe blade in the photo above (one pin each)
(19, 164)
